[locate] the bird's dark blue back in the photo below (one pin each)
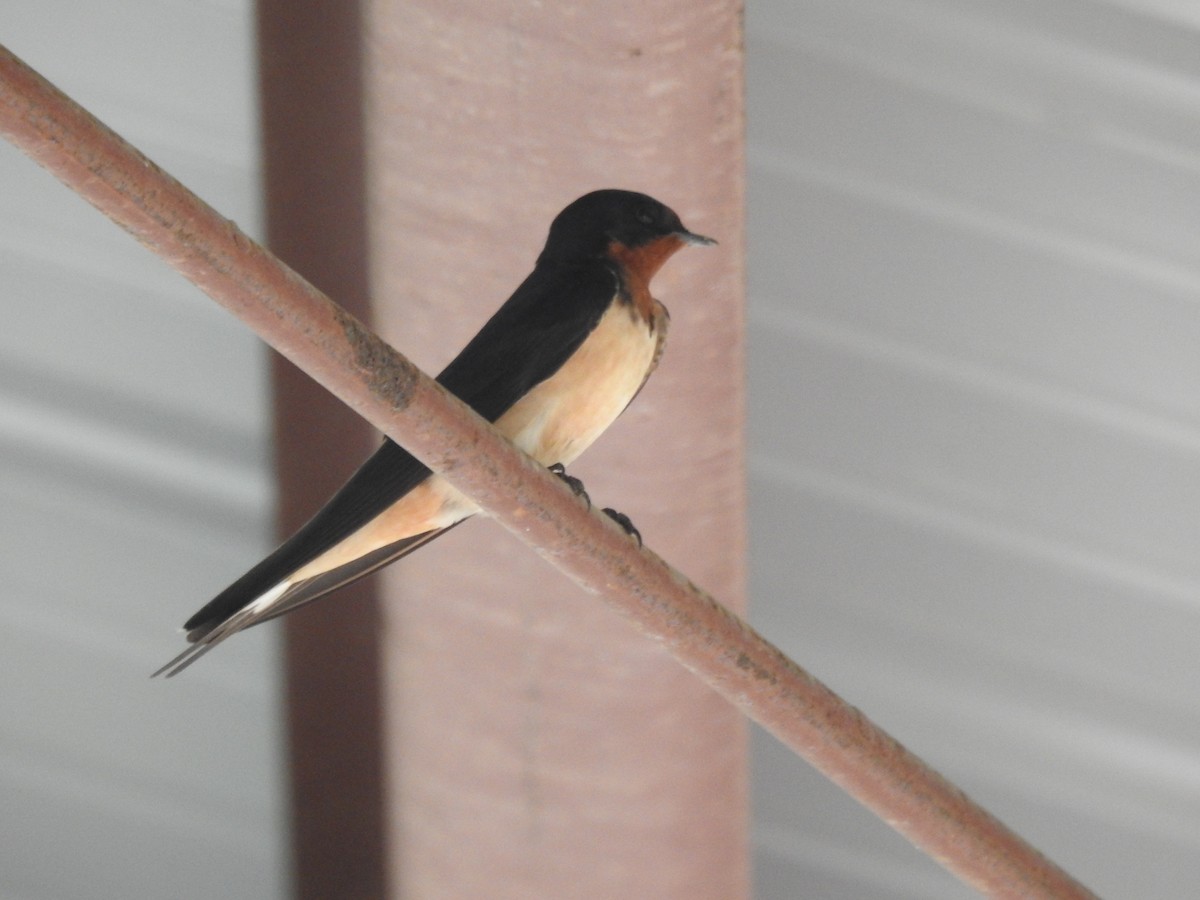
(524, 343)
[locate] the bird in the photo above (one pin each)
(554, 367)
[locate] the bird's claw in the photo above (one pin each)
(577, 489)
(623, 520)
(571, 481)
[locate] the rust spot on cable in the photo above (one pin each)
(388, 375)
(758, 672)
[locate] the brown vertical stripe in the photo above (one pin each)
(313, 158)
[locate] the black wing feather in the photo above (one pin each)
(523, 344)
(531, 336)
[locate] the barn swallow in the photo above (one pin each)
(552, 369)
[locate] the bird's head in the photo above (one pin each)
(632, 228)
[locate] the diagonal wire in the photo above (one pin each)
(394, 396)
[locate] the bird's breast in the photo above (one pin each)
(560, 417)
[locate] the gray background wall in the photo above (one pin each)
(975, 419)
(973, 457)
(133, 482)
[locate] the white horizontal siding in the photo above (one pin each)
(975, 420)
(134, 483)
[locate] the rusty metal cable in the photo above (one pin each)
(395, 397)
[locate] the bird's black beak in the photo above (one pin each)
(698, 240)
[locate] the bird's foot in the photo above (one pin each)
(623, 520)
(577, 489)
(572, 482)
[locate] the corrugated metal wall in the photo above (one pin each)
(975, 424)
(133, 484)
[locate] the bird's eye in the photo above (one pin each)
(644, 214)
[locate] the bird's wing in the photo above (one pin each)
(387, 475)
(203, 638)
(531, 336)
(524, 343)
